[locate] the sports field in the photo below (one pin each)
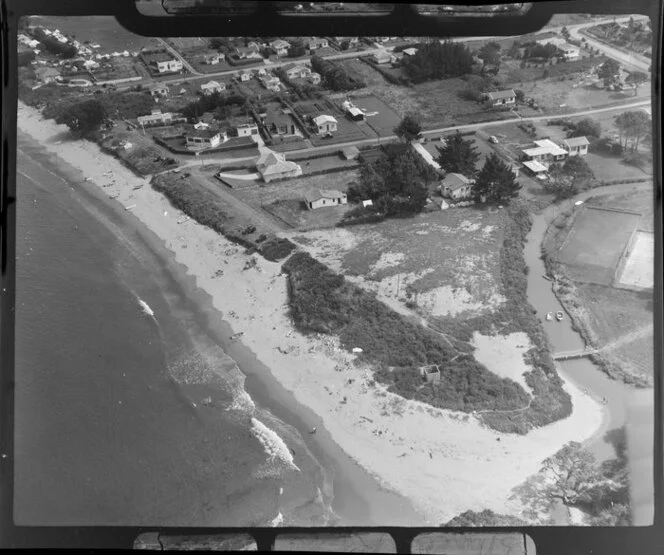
(638, 269)
(596, 242)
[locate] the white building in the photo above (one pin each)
(576, 146)
(324, 197)
(545, 152)
(273, 165)
(201, 139)
(456, 186)
(325, 125)
(212, 87)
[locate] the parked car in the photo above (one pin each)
(493, 139)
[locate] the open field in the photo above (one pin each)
(380, 117)
(441, 263)
(623, 323)
(595, 244)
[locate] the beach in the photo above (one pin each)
(443, 462)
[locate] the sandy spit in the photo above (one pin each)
(444, 462)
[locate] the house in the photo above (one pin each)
(280, 47)
(381, 57)
(253, 45)
(314, 43)
(279, 124)
(569, 51)
(158, 90)
(156, 117)
(162, 62)
(200, 139)
(314, 78)
(91, 64)
(324, 197)
(352, 41)
(246, 53)
(409, 51)
(325, 125)
(47, 74)
(456, 186)
(295, 71)
(271, 83)
(536, 168)
(545, 152)
(262, 71)
(246, 129)
(213, 59)
(501, 98)
(212, 87)
(576, 146)
(350, 152)
(353, 111)
(273, 165)
(245, 75)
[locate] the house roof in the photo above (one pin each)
(158, 87)
(279, 43)
(318, 194)
(535, 166)
(455, 181)
(278, 119)
(497, 95)
(204, 133)
(576, 141)
(350, 151)
(211, 84)
(320, 120)
(545, 146)
(410, 51)
(382, 54)
(271, 163)
(355, 111)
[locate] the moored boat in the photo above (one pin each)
(549, 316)
(559, 315)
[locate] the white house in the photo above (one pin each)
(351, 40)
(246, 129)
(325, 125)
(158, 90)
(200, 139)
(213, 59)
(245, 75)
(296, 71)
(212, 87)
(545, 152)
(409, 51)
(156, 117)
(162, 62)
(570, 52)
(271, 83)
(280, 47)
(576, 146)
(502, 98)
(324, 197)
(247, 53)
(456, 186)
(382, 57)
(314, 78)
(314, 43)
(273, 165)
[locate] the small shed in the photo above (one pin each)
(322, 197)
(350, 152)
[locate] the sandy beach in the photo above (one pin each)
(444, 462)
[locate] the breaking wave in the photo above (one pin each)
(274, 446)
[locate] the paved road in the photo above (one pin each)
(630, 61)
(221, 160)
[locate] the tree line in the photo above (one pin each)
(334, 76)
(435, 60)
(53, 45)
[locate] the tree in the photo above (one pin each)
(568, 179)
(25, 57)
(513, 51)
(490, 55)
(496, 182)
(297, 49)
(410, 128)
(565, 32)
(218, 43)
(345, 45)
(609, 69)
(458, 156)
(484, 518)
(587, 127)
(434, 60)
(636, 78)
(569, 476)
(633, 125)
(520, 95)
(83, 117)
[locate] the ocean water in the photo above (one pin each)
(127, 412)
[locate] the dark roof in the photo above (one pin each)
(204, 133)
(501, 94)
(158, 57)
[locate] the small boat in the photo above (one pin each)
(549, 316)
(130, 207)
(559, 315)
(236, 335)
(183, 219)
(139, 186)
(546, 277)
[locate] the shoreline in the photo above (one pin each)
(389, 438)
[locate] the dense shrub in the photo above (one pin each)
(277, 249)
(53, 45)
(334, 76)
(434, 60)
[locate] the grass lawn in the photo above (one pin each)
(384, 119)
(284, 199)
(623, 318)
(595, 243)
(441, 263)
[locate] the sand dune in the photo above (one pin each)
(444, 462)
